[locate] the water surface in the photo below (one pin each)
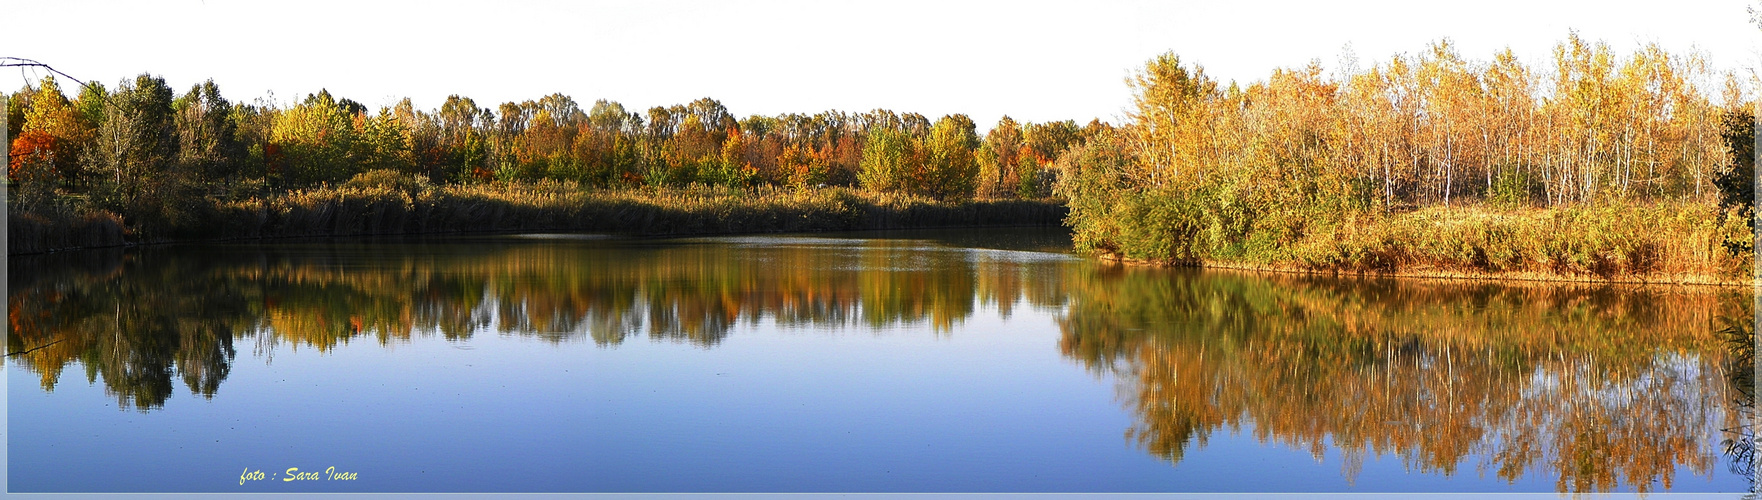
(944, 361)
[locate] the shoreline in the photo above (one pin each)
(1438, 275)
(503, 232)
(355, 213)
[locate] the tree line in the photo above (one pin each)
(142, 148)
(1216, 169)
(1434, 128)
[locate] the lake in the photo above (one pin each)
(972, 360)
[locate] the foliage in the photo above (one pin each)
(1737, 181)
(319, 140)
(888, 157)
(948, 169)
(169, 166)
(1354, 172)
(999, 159)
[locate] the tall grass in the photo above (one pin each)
(1678, 242)
(39, 232)
(383, 203)
(1664, 241)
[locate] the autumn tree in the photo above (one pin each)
(889, 159)
(609, 146)
(998, 159)
(1041, 145)
(464, 140)
(51, 134)
(948, 168)
(318, 138)
(1170, 115)
(383, 142)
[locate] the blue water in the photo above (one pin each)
(980, 401)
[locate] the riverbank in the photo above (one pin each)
(406, 208)
(1451, 275)
(1647, 243)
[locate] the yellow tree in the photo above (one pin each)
(949, 167)
(1694, 127)
(318, 137)
(1450, 92)
(889, 159)
(1041, 144)
(1406, 99)
(1169, 119)
(1509, 110)
(998, 158)
(51, 136)
(1583, 106)
(1374, 132)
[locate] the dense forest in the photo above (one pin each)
(1597, 165)
(143, 137)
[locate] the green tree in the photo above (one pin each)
(318, 138)
(949, 167)
(16, 104)
(464, 142)
(889, 158)
(383, 143)
(208, 144)
(136, 146)
(1737, 181)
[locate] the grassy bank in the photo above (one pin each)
(1660, 242)
(387, 205)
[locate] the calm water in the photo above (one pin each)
(947, 361)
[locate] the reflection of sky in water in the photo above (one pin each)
(991, 408)
(777, 402)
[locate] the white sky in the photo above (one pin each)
(1032, 60)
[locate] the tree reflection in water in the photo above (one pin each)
(1741, 371)
(137, 319)
(1598, 387)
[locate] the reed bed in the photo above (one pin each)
(1644, 242)
(394, 205)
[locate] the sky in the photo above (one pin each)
(1032, 60)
